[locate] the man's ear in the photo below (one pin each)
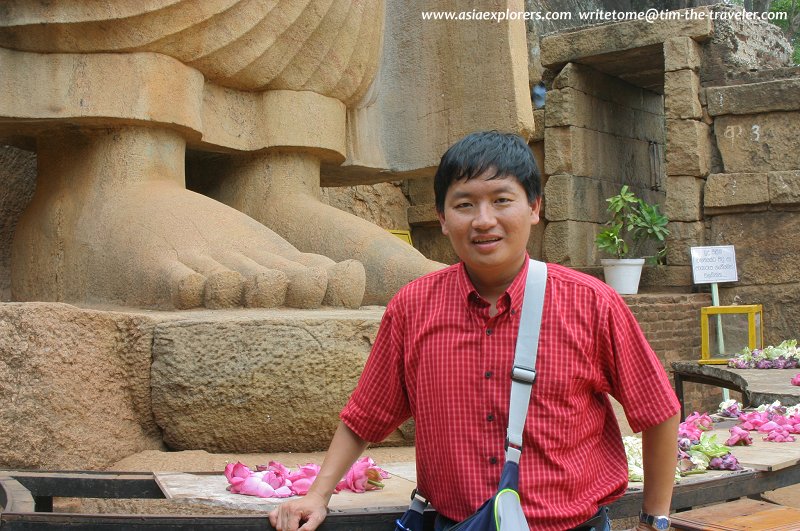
(536, 206)
(440, 215)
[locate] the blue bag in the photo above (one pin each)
(503, 510)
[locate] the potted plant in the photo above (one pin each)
(636, 230)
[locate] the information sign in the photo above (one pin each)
(714, 264)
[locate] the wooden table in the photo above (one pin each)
(740, 515)
(26, 497)
(758, 386)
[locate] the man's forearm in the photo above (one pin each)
(660, 455)
(344, 449)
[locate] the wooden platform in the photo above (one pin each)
(761, 455)
(740, 515)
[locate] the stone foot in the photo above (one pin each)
(281, 190)
(112, 222)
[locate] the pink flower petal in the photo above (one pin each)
(283, 492)
(253, 486)
(301, 486)
(240, 470)
(768, 427)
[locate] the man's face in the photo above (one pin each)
(488, 222)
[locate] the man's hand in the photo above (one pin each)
(310, 511)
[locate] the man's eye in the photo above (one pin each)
(463, 205)
(503, 200)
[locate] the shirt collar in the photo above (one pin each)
(515, 291)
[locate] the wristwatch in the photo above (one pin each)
(658, 522)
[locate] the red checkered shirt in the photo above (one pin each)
(440, 357)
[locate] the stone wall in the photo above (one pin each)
(671, 323)
(752, 201)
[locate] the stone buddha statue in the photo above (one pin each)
(113, 95)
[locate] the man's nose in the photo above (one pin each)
(484, 217)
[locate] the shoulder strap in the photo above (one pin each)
(524, 371)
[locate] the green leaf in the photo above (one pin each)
(633, 222)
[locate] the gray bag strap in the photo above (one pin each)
(523, 372)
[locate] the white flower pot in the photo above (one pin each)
(623, 275)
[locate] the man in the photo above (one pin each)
(444, 353)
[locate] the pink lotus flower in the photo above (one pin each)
(770, 426)
(702, 422)
(260, 484)
(796, 380)
(303, 478)
(276, 481)
(779, 436)
(752, 420)
(363, 475)
(236, 473)
(739, 437)
(688, 430)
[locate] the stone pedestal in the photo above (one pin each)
(82, 388)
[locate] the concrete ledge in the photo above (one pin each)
(570, 46)
(754, 98)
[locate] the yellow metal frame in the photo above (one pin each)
(755, 338)
(404, 235)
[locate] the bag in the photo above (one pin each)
(503, 511)
(412, 519)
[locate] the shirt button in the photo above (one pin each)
(490, 417)
(488, 374)
(493, 460)
(489, 332)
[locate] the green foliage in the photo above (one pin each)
(633, 224)
(791, 25)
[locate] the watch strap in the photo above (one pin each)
(660, 522)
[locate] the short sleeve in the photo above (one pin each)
(380, 403)
(638, 380)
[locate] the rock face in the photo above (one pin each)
(382, 204)
(265, 381)
(75, 387)
(17, 183)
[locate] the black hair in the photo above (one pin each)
(504, 154)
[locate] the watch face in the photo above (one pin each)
(661, 523)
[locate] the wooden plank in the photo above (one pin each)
(14, 496)
(741, 515)
(89, 484)
(211, 489)
(763, 455)
(91, 522)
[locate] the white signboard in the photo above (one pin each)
(714, 264)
